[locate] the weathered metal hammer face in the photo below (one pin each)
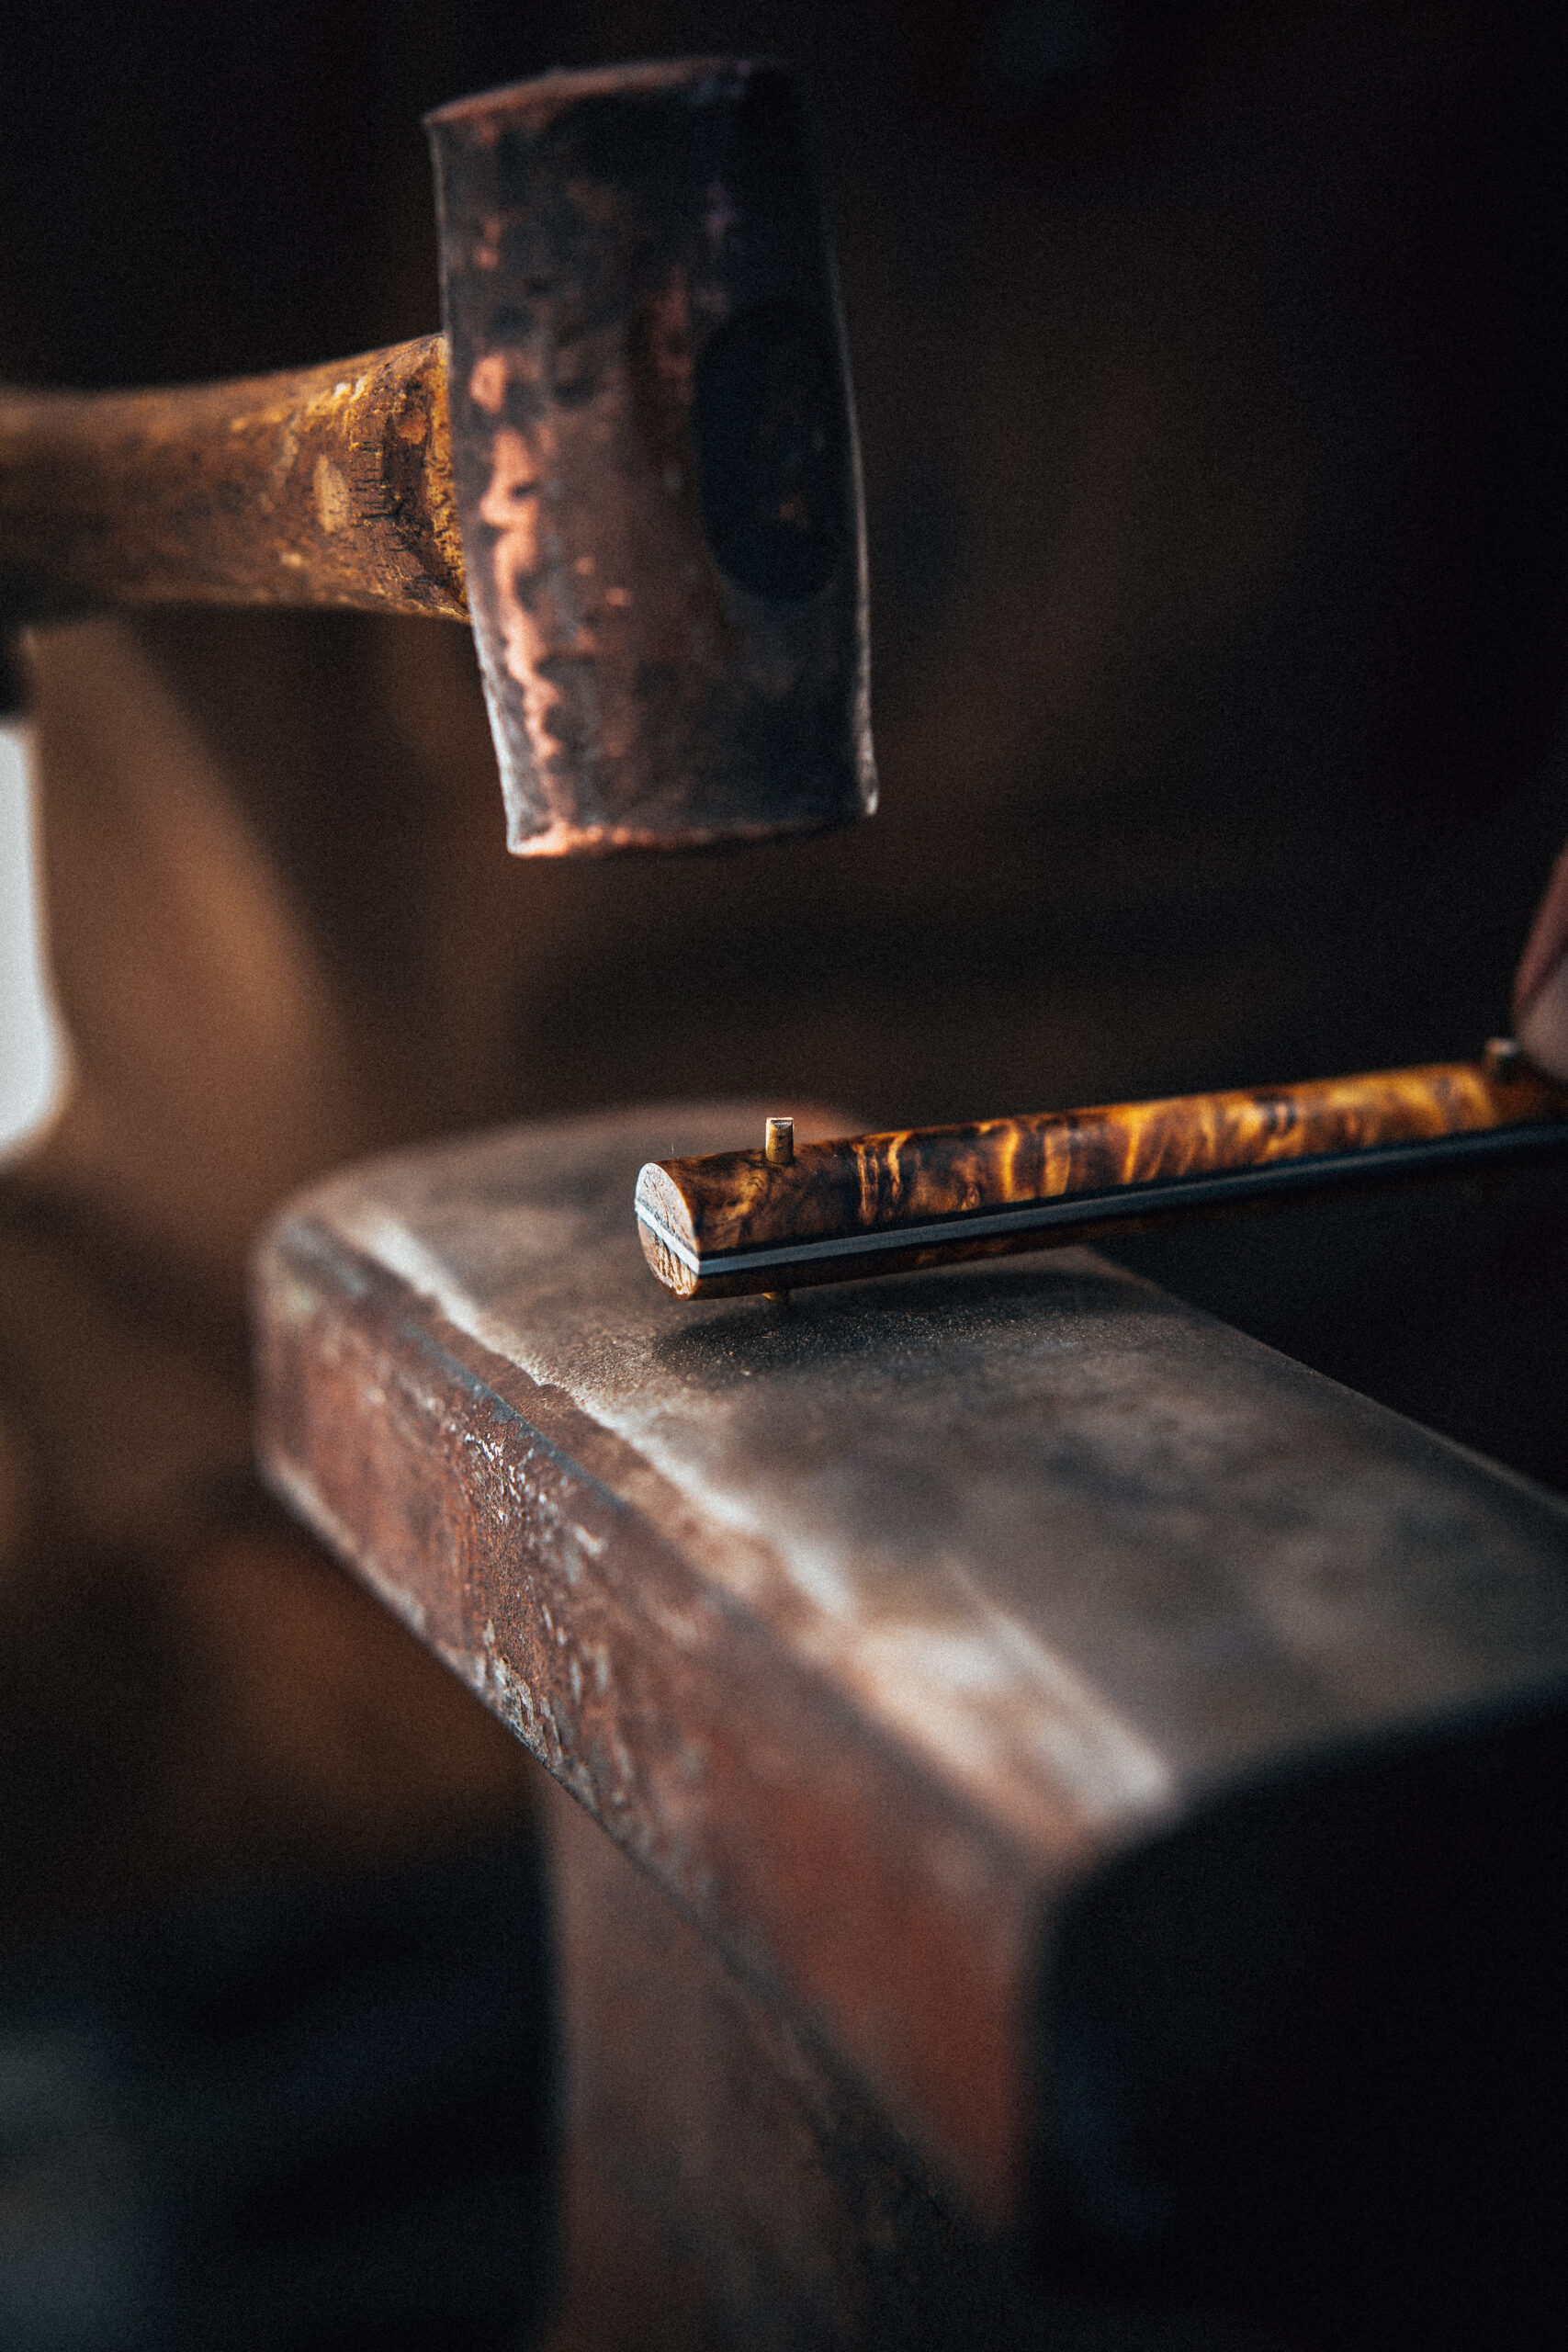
(654, 457)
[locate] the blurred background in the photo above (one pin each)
(1210, 360)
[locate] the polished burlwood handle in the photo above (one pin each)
(785, 1216)
(325, 486)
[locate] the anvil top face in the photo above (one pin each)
(654, 456)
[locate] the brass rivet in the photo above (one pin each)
(779, 1145)
(1501, 1056)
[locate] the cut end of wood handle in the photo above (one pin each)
(664, 1228)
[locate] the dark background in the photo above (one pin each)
(1210, 362)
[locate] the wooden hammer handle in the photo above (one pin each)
(328, 486)
(735, 1221)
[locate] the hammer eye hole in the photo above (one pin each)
(773, 452)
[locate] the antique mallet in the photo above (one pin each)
(631, 462)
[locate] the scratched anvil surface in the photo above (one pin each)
(877, 1623)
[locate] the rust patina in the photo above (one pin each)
(656, 464)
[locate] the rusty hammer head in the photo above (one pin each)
(654, 456)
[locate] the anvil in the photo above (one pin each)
(1088, 1782)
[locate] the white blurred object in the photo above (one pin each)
(32, 1044)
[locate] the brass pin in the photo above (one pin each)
(1501, 1056)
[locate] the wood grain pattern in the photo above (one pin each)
(328, 485)
(698, 1210)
